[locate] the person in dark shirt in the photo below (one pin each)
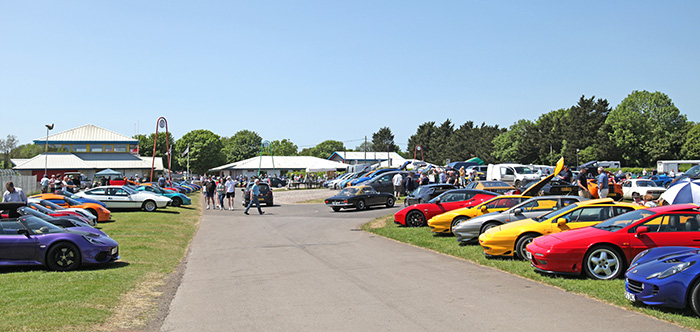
(566, 175)
(210, 189)
(582, 183)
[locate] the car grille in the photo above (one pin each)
(635, 286)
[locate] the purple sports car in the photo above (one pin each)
(29, 240)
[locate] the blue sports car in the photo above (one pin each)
(177, 198)
(29, 240)
(665, 276)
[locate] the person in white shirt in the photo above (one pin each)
(230, 191)
(13, 194)
(44, 184)
(397, 181)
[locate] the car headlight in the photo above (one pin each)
(638, 257)
(677, 268)
(92, 240)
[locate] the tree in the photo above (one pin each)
(549, 129)
(440, 141)
(647, 127)
(365, 146)
(691, 147)
(324, 149)
(242, 145)
(146, 144)
(284, 147)
(6, 146)
(205, 150)
(383, 141)
(422, 138)
(582, 126)
(516, 144)
(27, 151)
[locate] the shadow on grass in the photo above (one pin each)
(85, 267)
(166, 211)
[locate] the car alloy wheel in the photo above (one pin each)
(456, 222)
(177, 201)
(603, 263)
(521, 245)
(415, 218)
(389, 202)
(63, 256)
(361, 205)
(149, 206)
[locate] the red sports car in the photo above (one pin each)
(605, 250)
(417, 215)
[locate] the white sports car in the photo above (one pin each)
(122, 197)
(642, 187)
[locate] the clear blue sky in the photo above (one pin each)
(310, 71)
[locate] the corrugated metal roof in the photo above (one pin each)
(87, 133)
(373, 156)
(60, 161)
(281, 162)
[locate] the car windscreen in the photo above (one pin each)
(50, 205)
(71, 201)
(491, 184)
(554, 213)
(420, 190)
(645, 183)
(623, 220)
(523, 170)
(39, 226)
(129, 190)
(693, 172)
(348, 192)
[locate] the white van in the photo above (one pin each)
(514, 174)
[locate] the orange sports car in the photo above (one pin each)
(100, 212)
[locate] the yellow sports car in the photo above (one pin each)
(511, 239)
(443, 223)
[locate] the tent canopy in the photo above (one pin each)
(476, 160)
(108, 172)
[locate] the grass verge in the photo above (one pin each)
(151, 246)
(611, 291)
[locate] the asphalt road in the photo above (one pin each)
(305, 268)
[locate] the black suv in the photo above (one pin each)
(265, 194)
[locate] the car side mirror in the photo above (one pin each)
(518, 211)
(484, 208)
(438, 200)
(641, 230)
(24, 232)
(561, 221)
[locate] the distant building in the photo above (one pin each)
(278, 166)
(387, 159)
(88, 149)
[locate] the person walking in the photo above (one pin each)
(209, 190)
(254, 194)
(52, 184)
(409, 184)
(397, 181)
(582, 182)
(230, 191)
(44, 184)
(221, 192)
(13, 194)
(462, 177)
(603, 185)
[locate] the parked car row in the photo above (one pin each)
(58, 231)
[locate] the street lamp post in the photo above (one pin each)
(46, 149)
(577, 164)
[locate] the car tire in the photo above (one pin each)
(149, 206)
(415, 218)
(598, 261)
(521, 244)
(335, 208)
(694, 297)
(390, 202)
(456, 222)
(63, 256)
(268, 203)
(279, 185)
(360, 205)
(177, 201)
(517, 184)
(488, 226)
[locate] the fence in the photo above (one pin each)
(28, 183)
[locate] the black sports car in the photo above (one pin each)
(425, 193)
(360, 198)
(554, 187)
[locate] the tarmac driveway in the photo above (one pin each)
(302, 267)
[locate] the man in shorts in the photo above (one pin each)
(230, 191)
(209, 191)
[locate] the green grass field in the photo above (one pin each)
(151, 246)
(611, 291)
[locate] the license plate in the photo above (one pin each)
(261, 199)
(336, 203)
(529, 255)
(114, 250)
(565, 189)
(630, 296)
